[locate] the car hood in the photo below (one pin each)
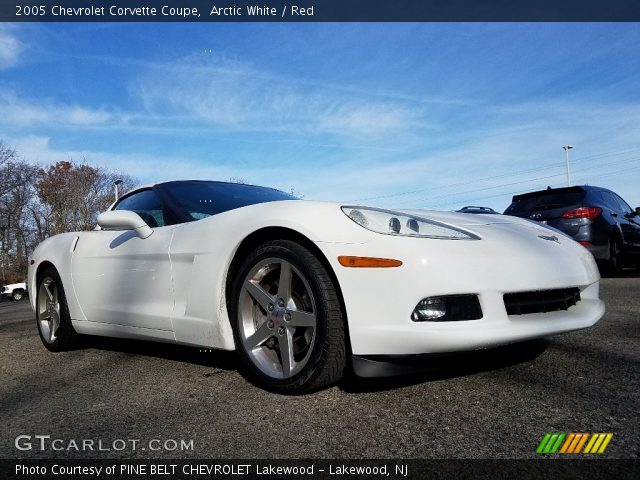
(491, 226)
(14, 285)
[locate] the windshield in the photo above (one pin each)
(195, 199)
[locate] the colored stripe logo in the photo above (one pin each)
(568, 443)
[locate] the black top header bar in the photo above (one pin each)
(320, 11)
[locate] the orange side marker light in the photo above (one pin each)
(368, 262)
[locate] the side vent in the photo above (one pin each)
(74, 243)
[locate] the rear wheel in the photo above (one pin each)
(287, 319)
(613, 266)
(52, 313)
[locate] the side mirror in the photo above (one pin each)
(638, 211)
(124, 220)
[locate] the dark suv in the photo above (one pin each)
(595, 217)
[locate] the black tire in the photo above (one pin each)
(17, 295)
(65, 336)
(325, 355)
(613, 266)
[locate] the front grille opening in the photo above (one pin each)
(542, 301)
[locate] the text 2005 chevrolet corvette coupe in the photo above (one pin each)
(301, 289)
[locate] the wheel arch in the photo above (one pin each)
(45, 264)
(615, 235)
(32, 281)
(266, 234)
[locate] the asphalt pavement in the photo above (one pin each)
(493, 404)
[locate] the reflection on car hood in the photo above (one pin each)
(462, 219)
(470, 220)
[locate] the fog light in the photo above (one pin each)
(447, 308)
(429, 309)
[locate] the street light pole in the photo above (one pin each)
(566, 149)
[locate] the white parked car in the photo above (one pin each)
(15, 291)
(304, 289)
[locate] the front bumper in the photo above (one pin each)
(493, 329)
(379, 302)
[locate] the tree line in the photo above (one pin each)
(37, 202)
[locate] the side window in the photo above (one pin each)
(147, 205)
(624, 206)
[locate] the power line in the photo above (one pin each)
(558, 184)
(555, 165)
(587, 158)
(635, 159)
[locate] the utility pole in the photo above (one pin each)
(566, 149)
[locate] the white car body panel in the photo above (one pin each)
(123, 279)
(200, 271)
(171, 286)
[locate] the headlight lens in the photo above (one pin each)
(396, 223)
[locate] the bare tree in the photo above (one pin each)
(16, 192)
(36, 203)
(295, 193)
(240, 180)
(76, 193)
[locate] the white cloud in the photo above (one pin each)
(236, 96)
(10, 47)
(84, 116)
(364, 119)
(18, 112)
(39, 150)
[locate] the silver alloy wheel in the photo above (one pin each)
(277, 318)
(48, 309)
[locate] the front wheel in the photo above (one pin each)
(17, 295)
(287, 319)
(52, 313)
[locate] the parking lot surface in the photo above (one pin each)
(492, 404)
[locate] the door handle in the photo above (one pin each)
(613, 214)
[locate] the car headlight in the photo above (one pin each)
(389, 222)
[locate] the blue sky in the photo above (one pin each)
(397, 115)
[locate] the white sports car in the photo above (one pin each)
(301, 289)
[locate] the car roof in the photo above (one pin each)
(164, 182)
(572, 189)
(473, 207)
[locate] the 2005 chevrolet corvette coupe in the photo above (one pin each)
(303, 289)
